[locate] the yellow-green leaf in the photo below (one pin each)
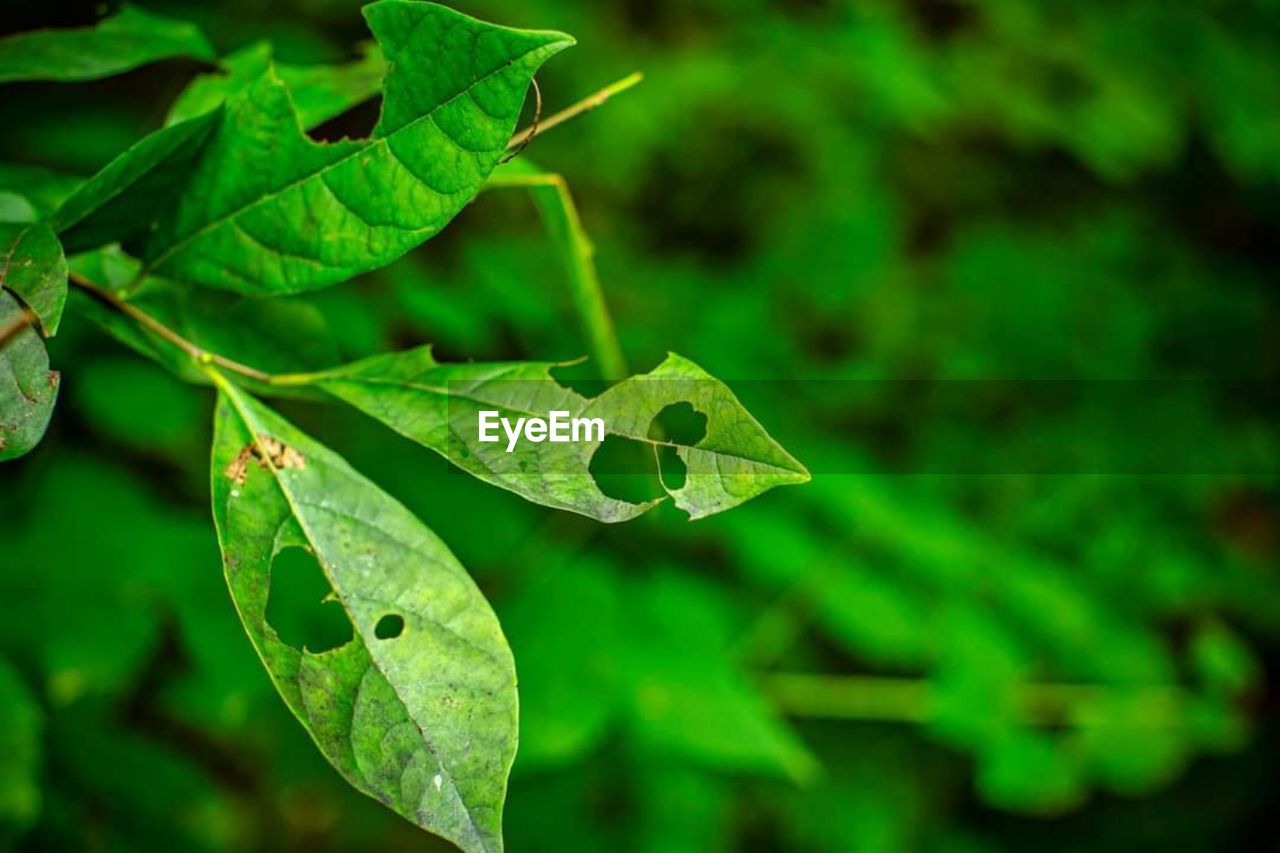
(421, 716)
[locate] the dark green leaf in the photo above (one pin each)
(425, 720)
(28, 387)
(126, 40)
(33, 267)
(131, 188)
(42, 189)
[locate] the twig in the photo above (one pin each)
(560, 215)
(15, 326)
(513, 153)
(154, 326)
(585, 105)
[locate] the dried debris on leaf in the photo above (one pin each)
(268, 452)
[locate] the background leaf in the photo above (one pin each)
(20, 732)
(125, 40)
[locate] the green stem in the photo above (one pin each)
(913, 700)
(590, 102)
(560, 215)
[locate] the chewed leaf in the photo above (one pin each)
(439, 407)
(33, 267)
(422, 717)
(28, 387)
(736, 459)
(252, 204)
(126, 40)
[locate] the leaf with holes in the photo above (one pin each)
(263, 209)
(126, 40)
(438, 406)
(419, 709)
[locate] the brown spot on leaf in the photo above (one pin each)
(268, 451)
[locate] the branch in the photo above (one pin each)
(560, 215)
(15, 327)
(151, 324)
(914, 700)
(586, 105)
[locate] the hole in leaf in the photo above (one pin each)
(297, 608)
(582, 378)
(623, 469)
(355, 123)
(389, 627)
(679, 423)
(671, 468)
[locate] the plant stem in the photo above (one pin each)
(913, 700)
(15, 326)
(560, 215)
(151, 324)
(585, 105)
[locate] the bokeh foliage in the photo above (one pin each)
(843, 193)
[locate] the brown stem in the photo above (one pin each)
(154, 326)
(15, 326)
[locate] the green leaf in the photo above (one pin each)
(28, 387)
(126, 40)
(130, 189)
(263, 209)
(438, 406)
(33, 267)
(425, 721)
(33, 276)
(320, 92)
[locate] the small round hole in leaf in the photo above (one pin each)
(389, 627)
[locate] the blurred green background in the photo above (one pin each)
(910, 657)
